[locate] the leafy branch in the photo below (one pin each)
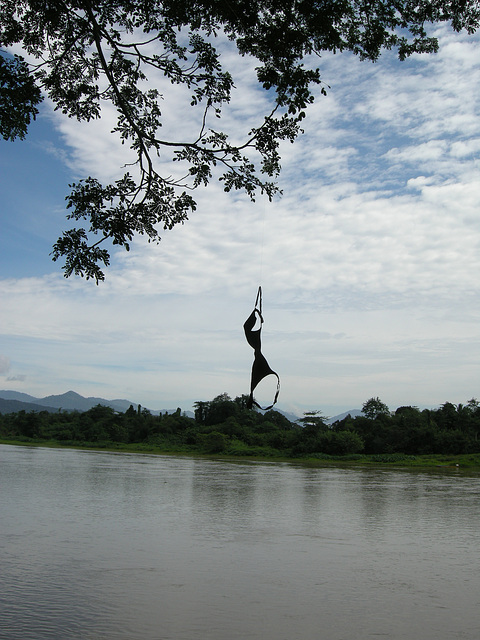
(84, 54)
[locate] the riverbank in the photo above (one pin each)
(447, 462)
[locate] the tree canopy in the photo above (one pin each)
(227, 426)
(127, 53)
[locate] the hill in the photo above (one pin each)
(341, 416)
(14, 406)
(69, 401)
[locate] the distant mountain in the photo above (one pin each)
(293, 418)
(17, 395)
(290, 416)
(69, 401)
(14, 406)
(341, 416)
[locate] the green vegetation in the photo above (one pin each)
(447, 436)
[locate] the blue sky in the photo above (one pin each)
(369, 262)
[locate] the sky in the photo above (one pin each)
(369, 261)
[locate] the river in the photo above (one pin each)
(113, 546)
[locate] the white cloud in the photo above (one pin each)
(369, 262)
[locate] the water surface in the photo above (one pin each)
(106, 546)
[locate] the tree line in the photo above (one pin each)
(225, 425)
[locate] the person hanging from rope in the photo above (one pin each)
(260, 367)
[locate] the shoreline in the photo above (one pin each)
(446, 462)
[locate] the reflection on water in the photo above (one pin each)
(103, 546)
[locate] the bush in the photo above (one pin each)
(391, 457)
(214, 442)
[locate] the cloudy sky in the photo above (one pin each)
(369, 261)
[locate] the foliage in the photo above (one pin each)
(132, 55)
(226, 426)
(19, 97)
(374, 407)
(313, 422)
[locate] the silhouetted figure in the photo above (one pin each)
(260, 367)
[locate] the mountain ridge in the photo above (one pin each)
(15, 401)
(15, 406)
(68, 401)
(352, 412)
